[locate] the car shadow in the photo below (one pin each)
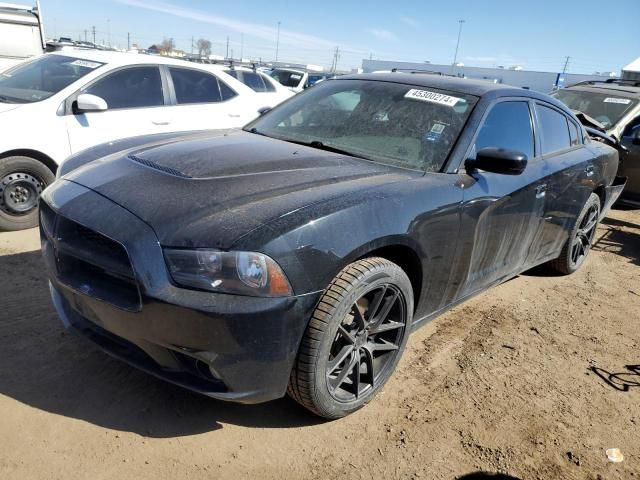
(619, 242)
(46, 367)
(486, 476)
(621, 381)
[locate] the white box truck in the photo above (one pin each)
(21, 33)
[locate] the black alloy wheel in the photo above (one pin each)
(367, 342)
(583, 237)
(578, 245)
(354, 339)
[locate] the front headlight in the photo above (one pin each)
(244, 273)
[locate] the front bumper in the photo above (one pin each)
(228, 347)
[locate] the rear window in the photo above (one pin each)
(287, 78)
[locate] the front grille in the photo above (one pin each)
(88, 261)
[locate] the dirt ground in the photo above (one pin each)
(534, 378)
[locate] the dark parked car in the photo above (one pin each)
(614, 105)
(297, 255)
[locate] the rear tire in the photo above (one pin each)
(354, 340)
(578, 245)
(22, 179)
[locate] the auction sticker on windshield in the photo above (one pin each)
(432, 97)
(623, 101)
(85, 63)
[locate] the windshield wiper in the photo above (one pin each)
(5, 99)
(328, 148)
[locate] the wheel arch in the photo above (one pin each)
(402, 251)
(602, 194)
(46, 160)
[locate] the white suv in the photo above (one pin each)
(65, 102)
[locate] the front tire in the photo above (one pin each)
(22, 179)
(355, 338)
(578, 245)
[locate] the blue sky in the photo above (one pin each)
(535, 34)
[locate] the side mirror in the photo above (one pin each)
(90, 103)
(498, 160)
(263, 110)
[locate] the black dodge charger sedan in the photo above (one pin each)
(298, 254)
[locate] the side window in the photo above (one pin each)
(508, 125)
(192, 86)
(226, 91)
(253, 81)
(133, 87)
(268, 84)
(555, 130)
(573, 134)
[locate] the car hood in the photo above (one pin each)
(208, 192)
(7, 107)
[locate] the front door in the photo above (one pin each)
(502, 214)
(135, 99)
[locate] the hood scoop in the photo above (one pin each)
(156, 166)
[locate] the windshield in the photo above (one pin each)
(607, 108)
(40, 79)
(287, 78)
(390, 123)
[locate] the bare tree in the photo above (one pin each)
(167, 46)
(204, 47)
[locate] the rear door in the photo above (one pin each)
(202, 101)
(569, 174)
(502, 214)
(135, 99)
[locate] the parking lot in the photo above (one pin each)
(515, 381)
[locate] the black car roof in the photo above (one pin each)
(478, 88)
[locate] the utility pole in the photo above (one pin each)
(241, 46)
(227, 55)
(455, 55)
(128, 41)
(191, 45)
(85, 34)
(93, 31)
(278, 40)
(336, 56)
(566, 64)
(109, 32)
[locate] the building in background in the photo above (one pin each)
(540, 81)
(632, 71)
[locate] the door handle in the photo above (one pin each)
(541, 191)
(589, 170)
(156, 122)
(234, 115)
